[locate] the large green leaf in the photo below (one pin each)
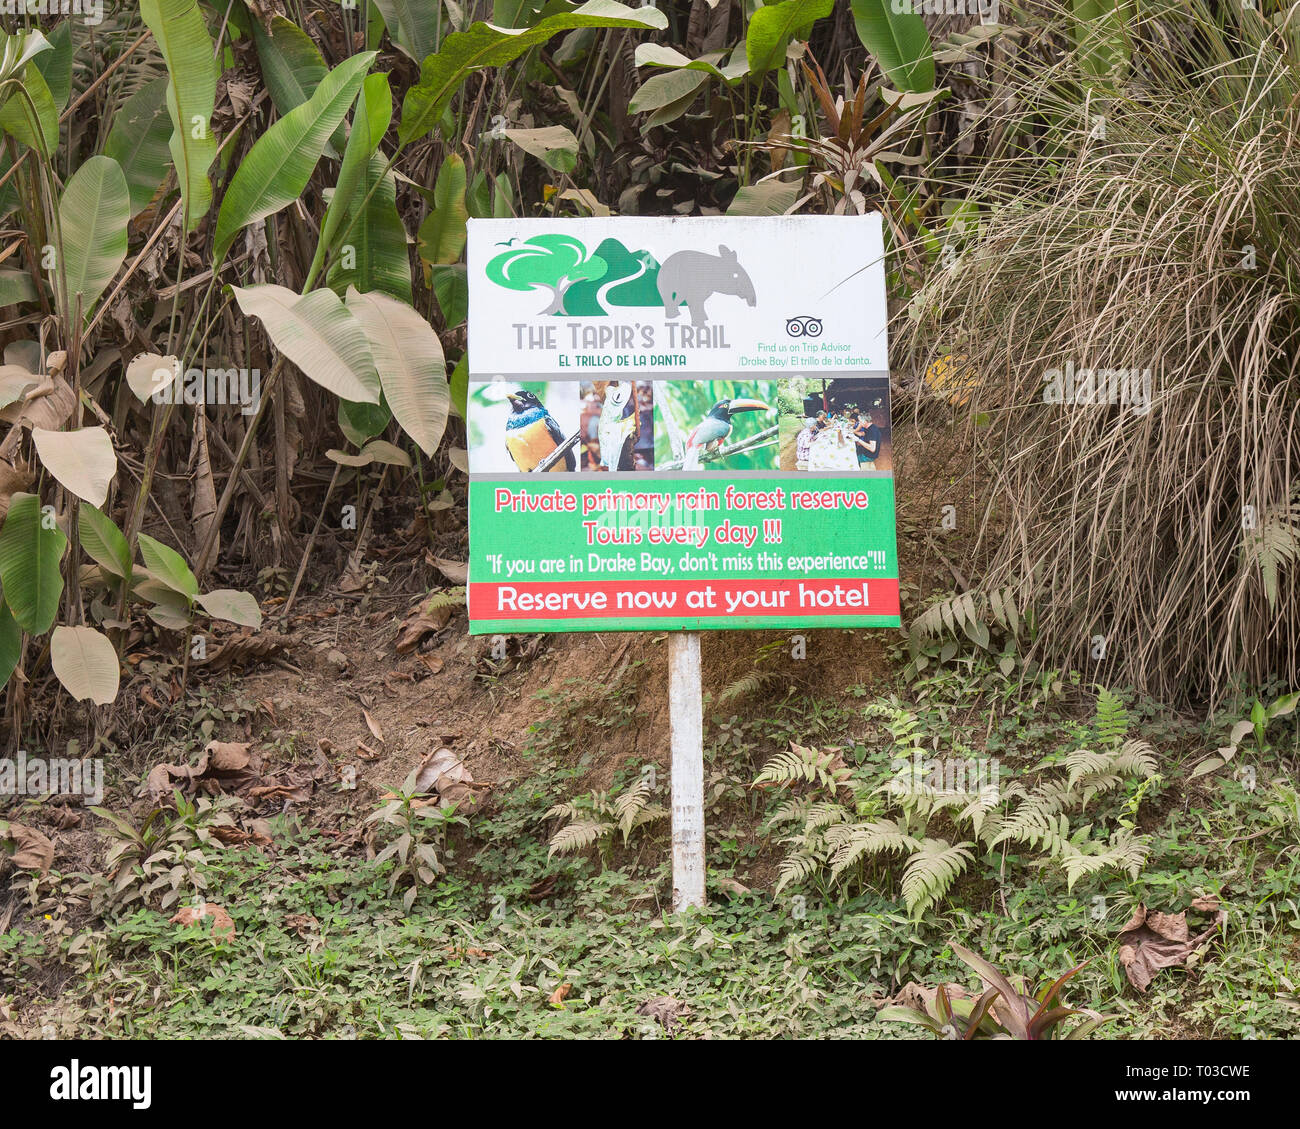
(31, 547)
(11, 644)
(93, 217)
(451, 289)
(669, 89)
(369, 124)
(103, 541)
(767, 198)
(554, 145)
(16, 286)
(317, 333)
(233, 606)
(56, 64)
(414, 24)
(17, 50)
(772, 28)
(373, 254)
(899, 41)
(661, 55)
(442, 234)
(182, 36)
(86, 663)
(411, 365)
(291, 63)
(515, 13)
(293, 67)
(138, 141)
(168, 567)
(360, 422)
(83, 461)
(482, 45)
(281, 162)
(33, 120)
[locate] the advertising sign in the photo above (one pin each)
(679, 424)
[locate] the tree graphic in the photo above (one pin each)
(546, 262)
(629, 280)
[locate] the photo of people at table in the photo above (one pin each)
(829, 425)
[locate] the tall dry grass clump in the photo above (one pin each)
(1148, 221)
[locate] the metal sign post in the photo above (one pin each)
(686, 714)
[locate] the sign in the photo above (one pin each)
(679, 424)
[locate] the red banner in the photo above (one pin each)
(592, 599)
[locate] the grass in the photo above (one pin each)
(323, 950)
(1143, 224)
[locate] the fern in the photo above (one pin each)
(1112, 718)
(931, 871)
(1135, 758)
(797, 868)
(578, 836)
(804, 765)
(1125, 851)
(824, 815)
(790, 811)
(627, 806)
(1083, 763)
(850, 842)
(745, 686)
(1038, 821)
(595, 816)
(445, 598)
(1275, 543)
(969, 614)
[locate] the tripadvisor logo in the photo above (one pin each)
(582, 284)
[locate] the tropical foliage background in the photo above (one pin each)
(279, 194)
(232, 308)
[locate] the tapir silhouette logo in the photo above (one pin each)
(582, 284)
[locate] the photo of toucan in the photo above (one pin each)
(712, 431)
(532, 433)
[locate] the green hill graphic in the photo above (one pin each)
(580, 285)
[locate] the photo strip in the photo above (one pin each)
(716, 425)
(835, 424)
(529, 427)
(617, 425)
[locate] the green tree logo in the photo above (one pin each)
(581, 285)
(546, 262)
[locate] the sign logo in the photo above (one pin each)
(583, 284)
(805, 325)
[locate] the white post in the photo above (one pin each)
(686, 714)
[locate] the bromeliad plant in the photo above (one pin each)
(1003, 1011)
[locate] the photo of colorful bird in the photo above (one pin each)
(712, 431)
(532, 433)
